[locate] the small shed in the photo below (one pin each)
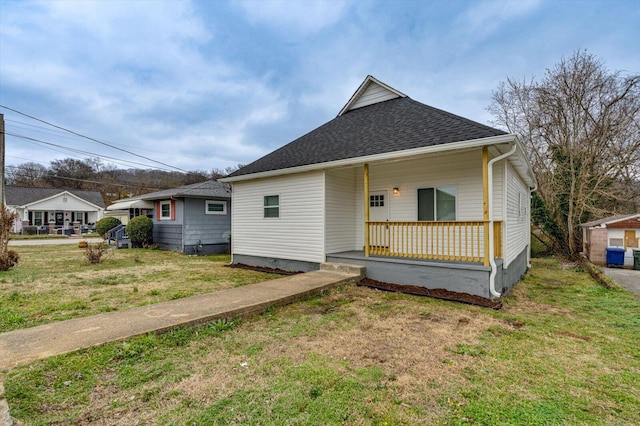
(621, 231)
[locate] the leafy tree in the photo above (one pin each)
(581, 127)
(140, 230)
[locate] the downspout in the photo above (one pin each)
(531, 190)
(492, 261)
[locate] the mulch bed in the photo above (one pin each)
(437, 293)
(263, 269)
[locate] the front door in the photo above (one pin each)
(59, 219)
(379, 212)
(630, 239)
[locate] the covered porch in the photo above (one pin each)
(434, 221)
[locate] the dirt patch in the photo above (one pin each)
(438, 293)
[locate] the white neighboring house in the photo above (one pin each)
(418, 195)
(54, 210)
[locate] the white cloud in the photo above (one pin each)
(486, 17)
(307, 16)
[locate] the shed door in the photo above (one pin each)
(379, 212)
(630, 239)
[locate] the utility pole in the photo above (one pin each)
(2, 160)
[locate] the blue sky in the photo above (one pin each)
(209, 84)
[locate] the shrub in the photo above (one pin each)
(83, 244)
(29, 230)
(94, 252)
(106, 224)
(140, 230)
(8, 258)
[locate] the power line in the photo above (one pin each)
(14, 175)
(92, 139)
(79, 151)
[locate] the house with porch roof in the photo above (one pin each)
(54, 210)
(192, 219)
(418, 195)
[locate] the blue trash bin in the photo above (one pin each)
(615, 256)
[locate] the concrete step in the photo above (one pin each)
(344, 268)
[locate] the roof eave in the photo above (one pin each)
(454, 146)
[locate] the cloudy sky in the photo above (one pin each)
(198, 85)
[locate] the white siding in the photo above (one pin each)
(298, 234)
(341, 219)
(462, 170)
(517, 226)
(62, 202)
(372, 95)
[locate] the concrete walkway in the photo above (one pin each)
(22, 346)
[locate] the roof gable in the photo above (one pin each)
(370, 92)
(62, 201)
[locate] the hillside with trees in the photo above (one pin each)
(113, 183)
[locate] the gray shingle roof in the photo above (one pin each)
(21, 195)
(210, 188)
(393, 125)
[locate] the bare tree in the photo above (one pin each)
(581, 127)
(27, 174)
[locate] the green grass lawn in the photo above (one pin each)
(563, 350)
(54, 283)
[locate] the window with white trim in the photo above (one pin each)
(437, 203)
(215, 207)
(37, 218)
(165, 210)
(271, 206)
(79, 217)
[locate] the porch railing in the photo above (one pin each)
(445, 240)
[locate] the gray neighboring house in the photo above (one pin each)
(192, 219)
(54, 210)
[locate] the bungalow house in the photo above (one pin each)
(192, 219)
(53, 210)
(621, 231)
(418, 195)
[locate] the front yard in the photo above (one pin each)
(563, 350)
(54, 283)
